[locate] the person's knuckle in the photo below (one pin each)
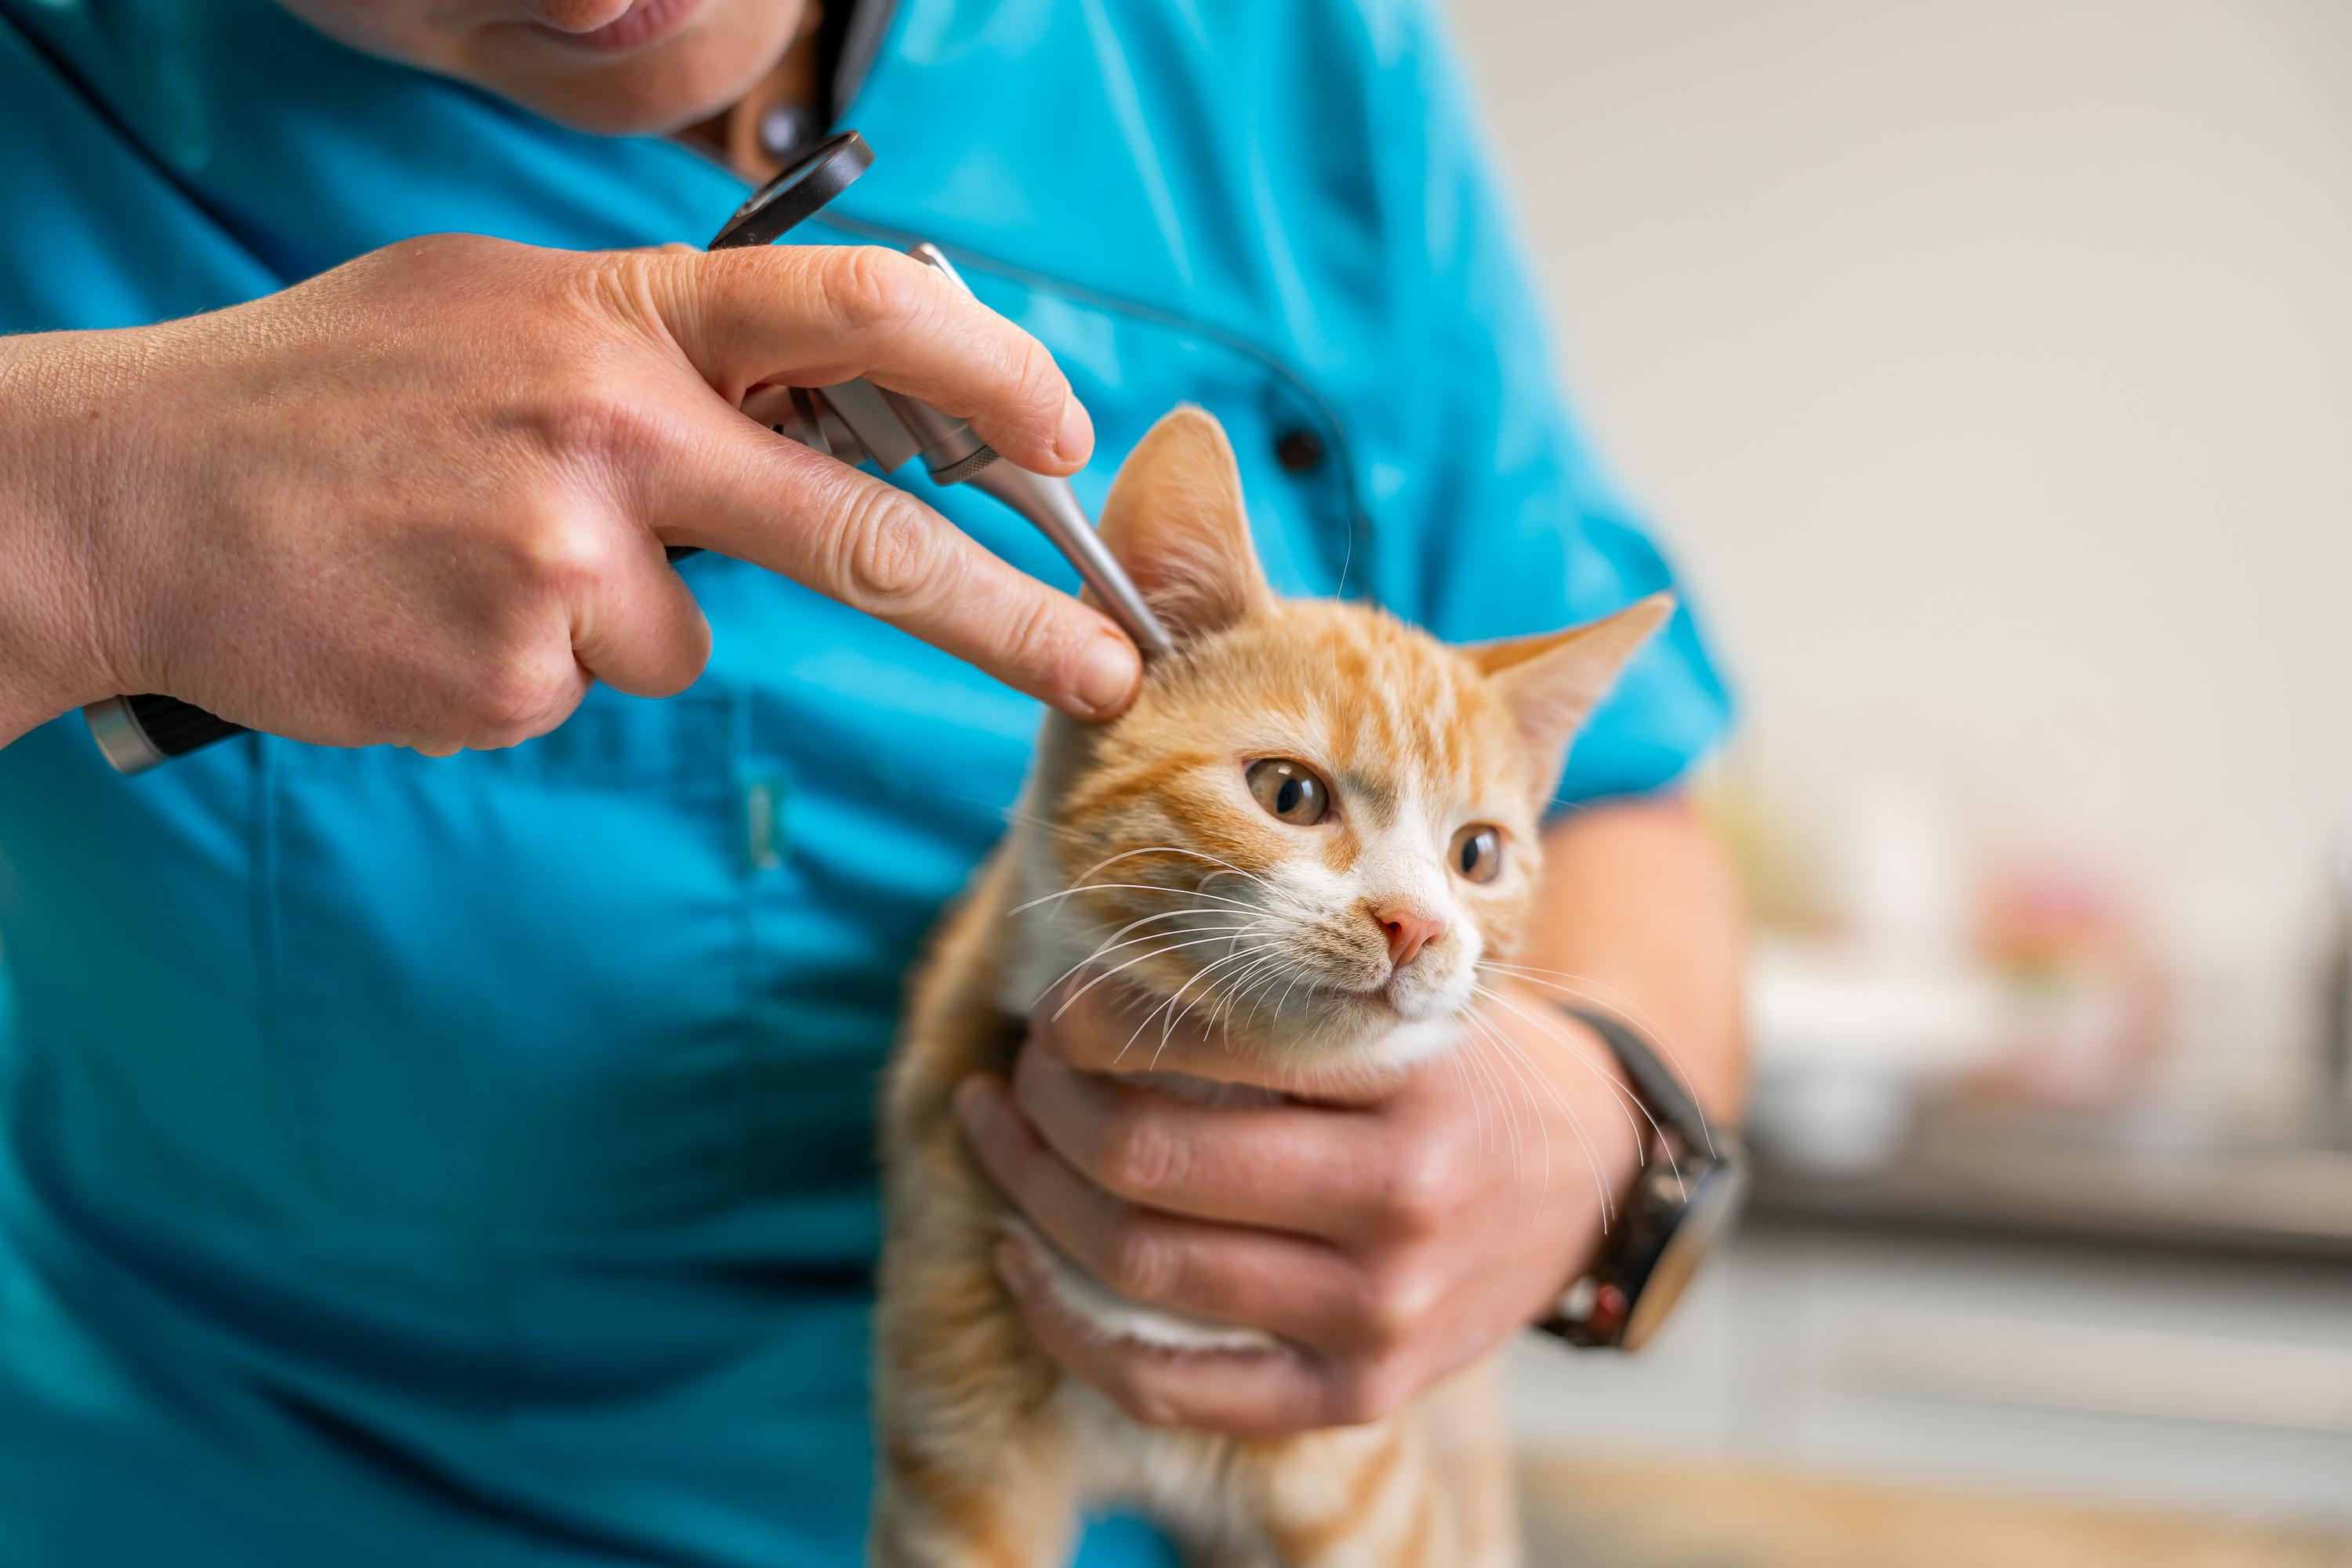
(1365, 1391)
(1147, 1404)
(1035, 633)
(1395, 1304)
(556, 554)
(886, 559)
(1137, 1156)
(590, 416)
(514, 697)
(869, 287)
(1425, 1187)
(1144, 1262)
(1037, 385)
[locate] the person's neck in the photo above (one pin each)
(742, 136)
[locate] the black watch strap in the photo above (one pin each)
(1683, 1202)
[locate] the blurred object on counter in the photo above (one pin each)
(1602, 1507)
(2085, 1021)
(2335, 1004)
(1908, 972)
(1902, 880)
(1845, 1047)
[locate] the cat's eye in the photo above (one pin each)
(1479, 853)
(1290, 791)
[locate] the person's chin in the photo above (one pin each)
(681, 81)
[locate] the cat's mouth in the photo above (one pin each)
(1401, 994)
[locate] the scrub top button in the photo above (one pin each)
(1298, 450)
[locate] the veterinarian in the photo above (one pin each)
(443, 1137)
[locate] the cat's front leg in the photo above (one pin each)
(973, 1463)
(973, 1468)
(1413, 1492)
(1013, 1509)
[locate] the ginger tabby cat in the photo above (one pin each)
(1315, 824)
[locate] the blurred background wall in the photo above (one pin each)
(1990, 366)
(1987, 364)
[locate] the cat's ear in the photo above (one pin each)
(1176, 522)
(1552, 683)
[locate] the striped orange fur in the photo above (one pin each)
(1148, 824)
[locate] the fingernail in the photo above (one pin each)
(1075, 441)
(1106, 675)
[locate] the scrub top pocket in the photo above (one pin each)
(510, 987)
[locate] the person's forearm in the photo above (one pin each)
(51, 426)
(1638, 912)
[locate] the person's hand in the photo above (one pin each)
(422, 498)
(1385, 1239)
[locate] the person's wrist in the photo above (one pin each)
(59, 465)
(1607, 1142)
(1677, 1212)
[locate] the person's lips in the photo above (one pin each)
(648, 22)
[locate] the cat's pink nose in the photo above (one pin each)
(1409, 927)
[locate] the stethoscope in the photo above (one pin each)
(854, 421)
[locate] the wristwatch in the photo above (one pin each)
(1689, 1193)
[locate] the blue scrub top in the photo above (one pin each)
(468, 1163)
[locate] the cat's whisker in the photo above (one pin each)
(1165, 850)
(1226, 993)
(1628, 1103)
(1611, 1000)
(1167, 1029)
(1585, 1144)
(1519, 1072)
(1261, 990)
(1066, 976)
(1223, 917)
(1105, 974)
(1503, 1108)
(1030, 819)
(1297, 976)
(1453, 1060)
(1272, 971)
(1146, 1021)
(1238, 926)
(1624, 1095)
(1223, 991)
(1482, 1073)
(1220, 919)
(1169, 1002)
(1575, 1120)
(1132, 887)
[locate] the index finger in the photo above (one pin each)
(1278, 1166)
(733, 487)
(817, 315)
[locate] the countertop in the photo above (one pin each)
(2144, 1182)
(1598, 1510)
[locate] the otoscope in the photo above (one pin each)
(854, 421)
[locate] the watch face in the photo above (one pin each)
(1716, 1194)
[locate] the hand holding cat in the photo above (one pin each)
(1385, 1239)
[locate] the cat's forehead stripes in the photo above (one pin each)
(1397, 722)
(1404, 715)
